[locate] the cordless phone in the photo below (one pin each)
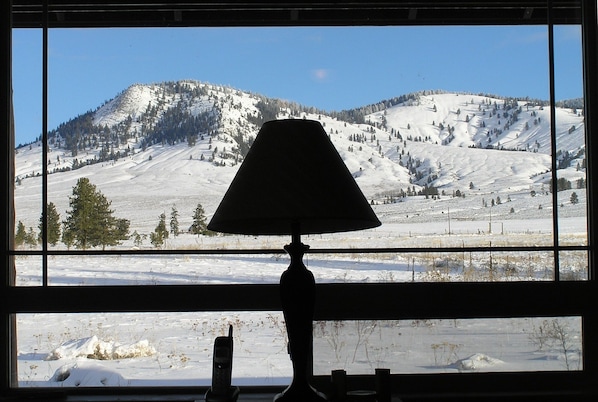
(222, 364)
(222, 367)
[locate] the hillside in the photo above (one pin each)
(154, 146)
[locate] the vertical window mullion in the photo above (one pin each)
(8, 342)
(553, 145)
(590, 93)
(44, 225)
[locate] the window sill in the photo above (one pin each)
(268, 397)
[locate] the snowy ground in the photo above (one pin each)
(176, 348)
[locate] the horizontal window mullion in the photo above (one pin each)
(167, 298)
(453, 300)
(97, 14)
(354, 250)
(333, 301)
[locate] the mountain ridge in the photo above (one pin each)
(431, 143)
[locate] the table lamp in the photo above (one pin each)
(294, 182)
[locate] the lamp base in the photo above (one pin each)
(297, 294)
(300, 394)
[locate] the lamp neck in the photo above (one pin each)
(296, 249)
(295, 233)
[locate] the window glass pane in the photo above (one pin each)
(571, 149)
(173, 269)
(173, 349)
(166, 269)
(573, 265)
(27, 102)
(461, 266)
(466, 165)
(448, 346)
(28, 270)
(166, 349)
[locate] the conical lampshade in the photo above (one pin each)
(293, 175)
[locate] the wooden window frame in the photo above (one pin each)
(385, 301)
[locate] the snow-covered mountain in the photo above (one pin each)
(181, 143)
(157, 146)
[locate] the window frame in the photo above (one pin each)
(385, 301)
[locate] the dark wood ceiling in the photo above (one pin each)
(163, 13)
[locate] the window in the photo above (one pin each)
(465, 249)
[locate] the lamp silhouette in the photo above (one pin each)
(294, 182)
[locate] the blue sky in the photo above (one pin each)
(325, 67)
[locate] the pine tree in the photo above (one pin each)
(574, 199)
(79, 226)
(21, 234)
(120, 231)
(53, 228)
(90, 222)
(174, 221)
(31, 238)
(160, 233)
(199, 225)
(137, 239)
